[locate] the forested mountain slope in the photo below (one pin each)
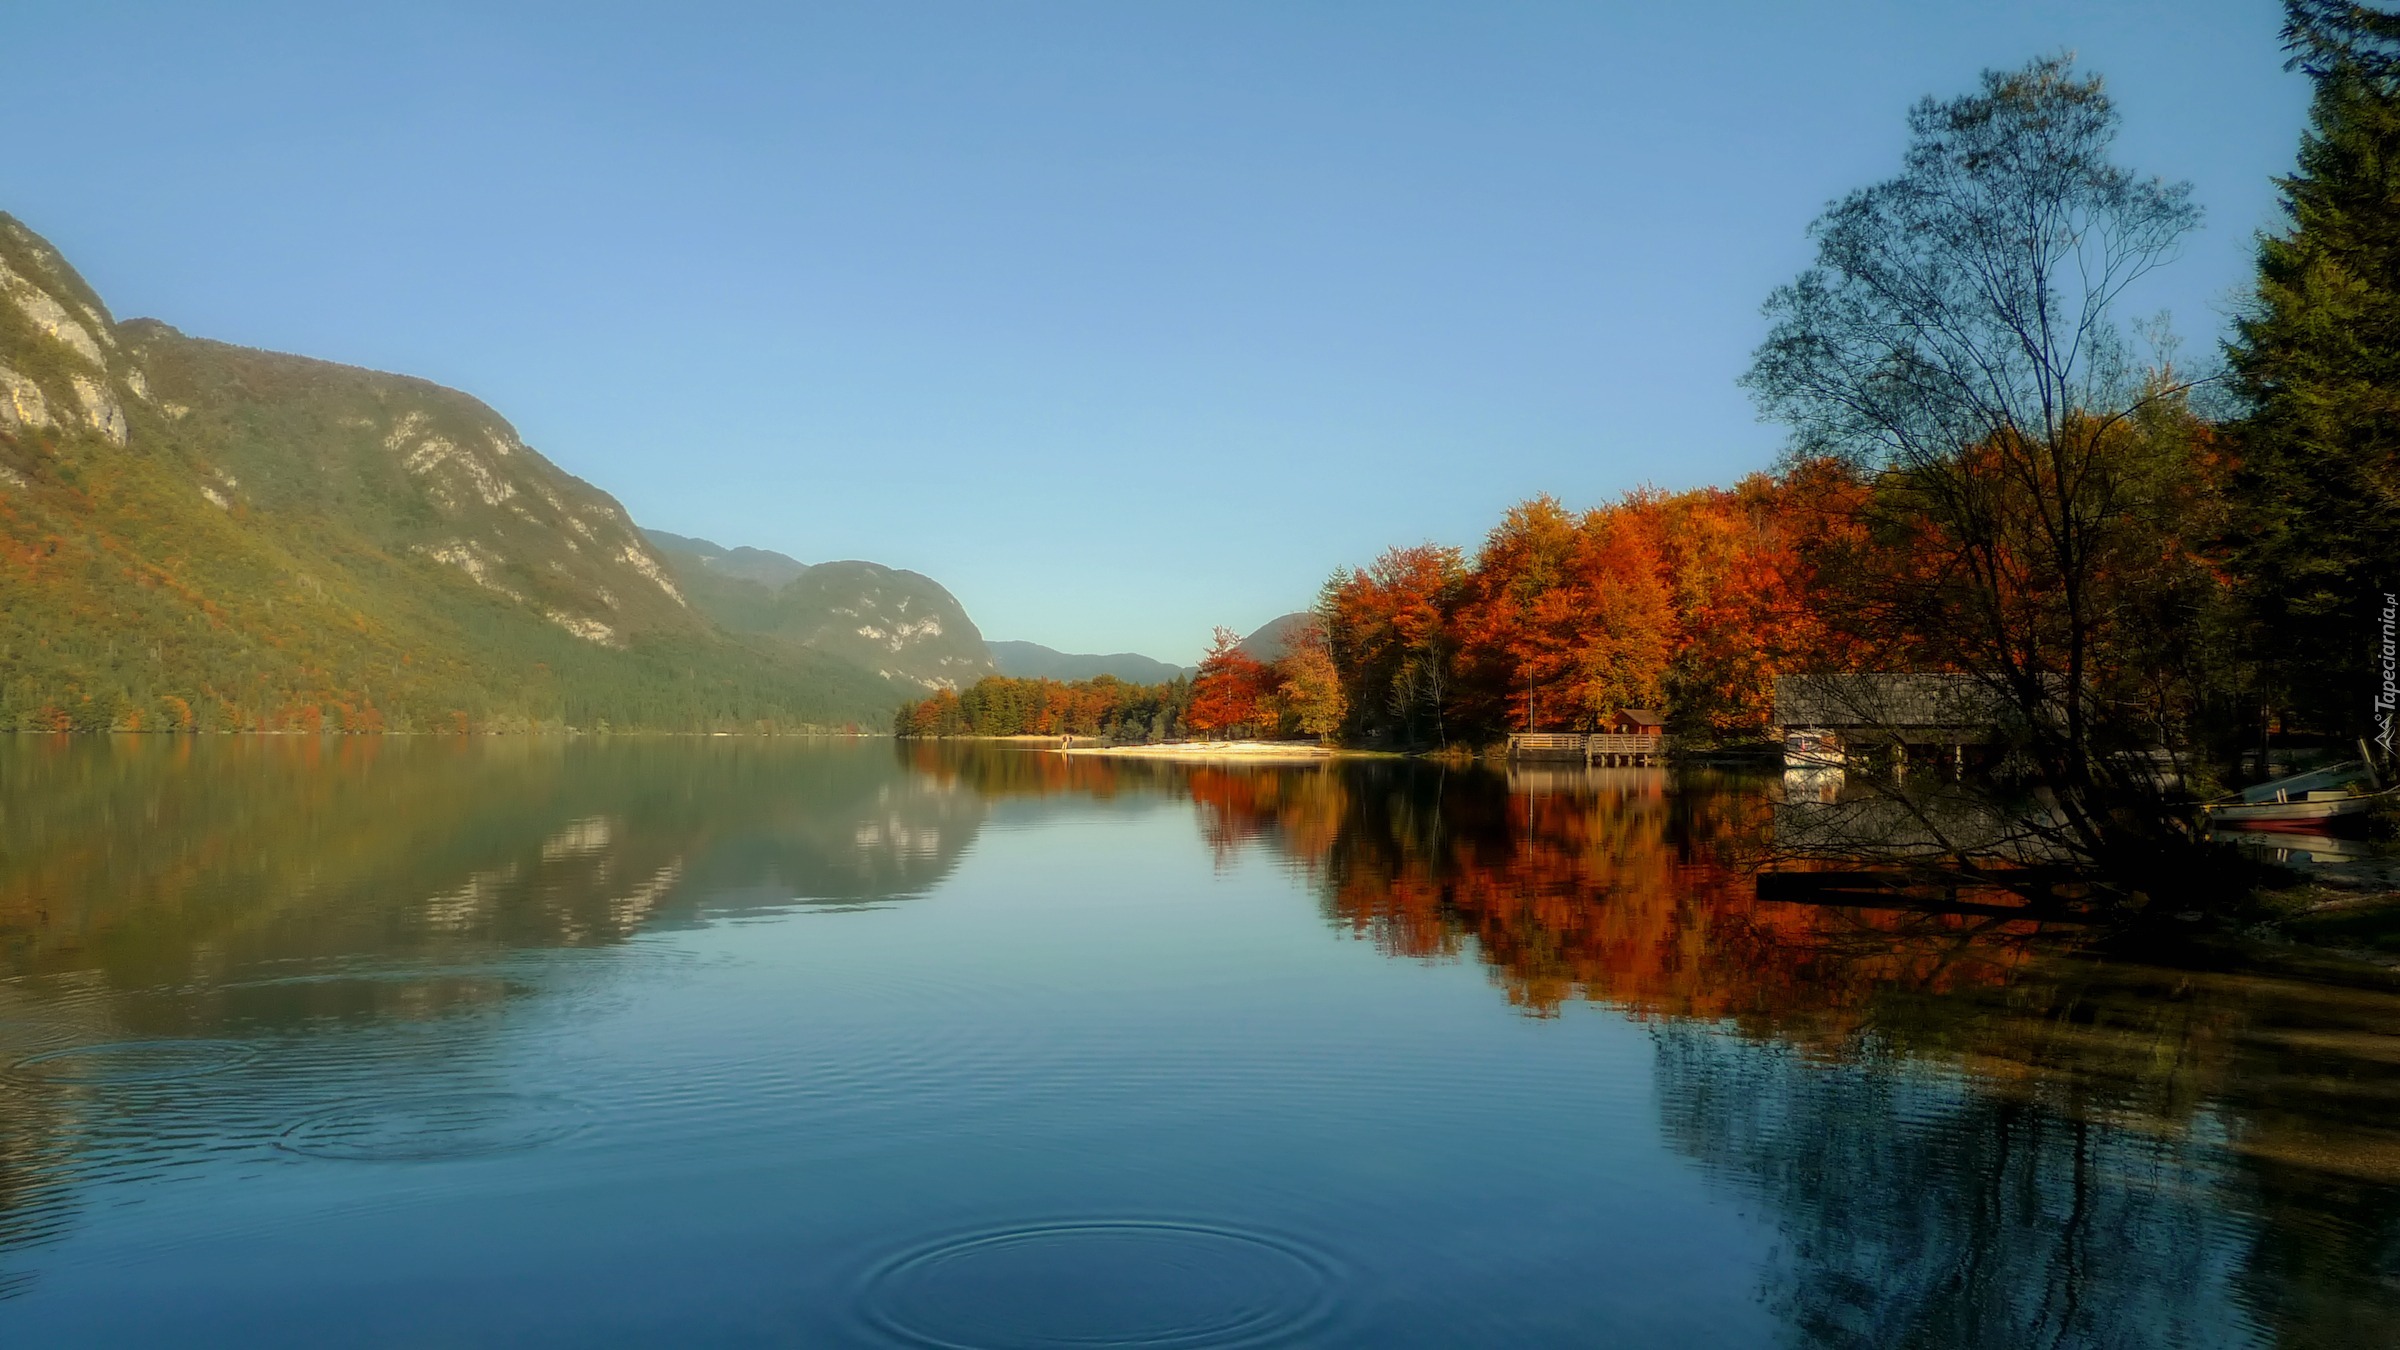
(1033, 661)
(199, 535)
(765, 566)
(902, 625)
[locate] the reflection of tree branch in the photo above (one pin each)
(1967, 1136)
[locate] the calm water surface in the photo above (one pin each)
(743, 1043)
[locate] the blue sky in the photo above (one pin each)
(1119, 319)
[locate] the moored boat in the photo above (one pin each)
(2303, 801)
(1807, 748)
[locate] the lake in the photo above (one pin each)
(508, 1042)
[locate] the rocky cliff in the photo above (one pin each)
(902, 625)
(197, 535)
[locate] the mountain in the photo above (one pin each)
(1274, 637)
(743, 564)
(198, 535)
(1032, 660)
(901, 625)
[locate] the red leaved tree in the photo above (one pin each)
(1231, 692)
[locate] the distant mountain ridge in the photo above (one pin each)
(1032, 660)
(1274, 637)
(902, 625)
(763, 566)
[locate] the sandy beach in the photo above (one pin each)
(1249, 752)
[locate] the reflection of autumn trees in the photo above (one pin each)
(1967, 1134)
(1014, 772)
(1971, 1136)
(1300, 810)
(1625, 891)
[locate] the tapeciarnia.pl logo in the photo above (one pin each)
(2387, 699)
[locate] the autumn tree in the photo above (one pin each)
(1518, 620)
(1955, 339)
(998, 705)
(1745, 566)
(1691, 602)
(1230, 692)
(1388, 629)
(1627, 629)
(1308, 687)
(1564, 619)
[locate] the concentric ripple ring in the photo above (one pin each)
(135, 1061)
(1105, 1282)
(431, 1128)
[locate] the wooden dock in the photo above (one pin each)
(1605, 748)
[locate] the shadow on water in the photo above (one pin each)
(1964, 1129)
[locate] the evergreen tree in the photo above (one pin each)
(2318, 358)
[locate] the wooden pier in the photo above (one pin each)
(1605, 748)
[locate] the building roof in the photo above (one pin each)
(1646, 716)
(1887, 701)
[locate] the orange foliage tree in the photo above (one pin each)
(1308, 686)
(998, 705)
(1391, 632)
(1233, 692)
(1692, 603)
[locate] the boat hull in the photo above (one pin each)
(2293, 815)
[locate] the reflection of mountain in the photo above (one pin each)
(164, 896)
(1960, 1136)
(280, 850)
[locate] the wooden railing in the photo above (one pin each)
(1590, 749)
(1624, 746)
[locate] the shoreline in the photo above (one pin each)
(1249, 752)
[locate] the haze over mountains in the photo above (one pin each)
(903, 626)
(195, 535)
(1032, 660)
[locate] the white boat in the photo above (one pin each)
(2351, 788)
(1810, 749)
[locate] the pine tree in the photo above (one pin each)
(2318, 359)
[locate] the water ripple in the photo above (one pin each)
(424, 1129)
(136, 1061)
(1094, 1282)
